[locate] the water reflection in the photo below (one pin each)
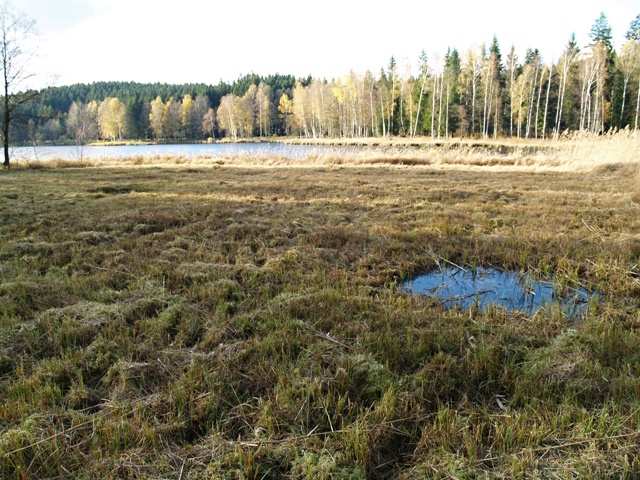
(282, 150)
(486, 287)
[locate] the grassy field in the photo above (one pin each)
(176, 320)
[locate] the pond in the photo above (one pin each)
(487, 287)
(213, 150)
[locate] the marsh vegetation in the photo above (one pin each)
(183, 318)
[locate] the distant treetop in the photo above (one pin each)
(634, 30)
(601, 31)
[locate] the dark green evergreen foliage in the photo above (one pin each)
(573, 44)
(138, 120)
(453, 70)
(61, 98)
(452, 62)
(634, 30)
(279, 83)
(495, 50)
(532, 56)
(53, 103)
(601, 31)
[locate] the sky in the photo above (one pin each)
(208, 41)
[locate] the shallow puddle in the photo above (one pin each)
(486, 287)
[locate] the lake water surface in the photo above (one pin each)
(213, 150)
(486, 287)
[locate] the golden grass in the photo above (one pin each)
(245, 321)
(577, 153)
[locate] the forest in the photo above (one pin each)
(479, 93)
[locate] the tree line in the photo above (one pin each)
(482, 94)
(479, 93)
(130, 110)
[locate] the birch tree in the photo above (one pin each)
(594, 80)
(112, 118)
(235, 115)
(534, 62)
(187, 120)
(209, 123)
(546, 103)
(629, 65)
(82, 123)
(172, 119)
(227, 113)
(200, 109)
(407, 103)
(285, 109)
(512, 61)
(492, 94)
(300, 110)
(471, 74)
(264, 109)
(156, 117)
(17, 32)
(567, 60)
(246, 112)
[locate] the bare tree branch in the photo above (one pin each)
(16, 30)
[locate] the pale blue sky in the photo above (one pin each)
(205, 41)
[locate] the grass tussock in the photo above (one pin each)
(244, 322)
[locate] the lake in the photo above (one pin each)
(213, 150)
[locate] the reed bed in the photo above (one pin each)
(577, 153)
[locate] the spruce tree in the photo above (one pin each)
(634, 30)
(495, 49)
(601, 31)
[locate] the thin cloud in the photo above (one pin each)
(200, 41)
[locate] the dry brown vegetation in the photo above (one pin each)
(576, 153)
(244, 321)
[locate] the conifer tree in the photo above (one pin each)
(601, 31)
(634, 30)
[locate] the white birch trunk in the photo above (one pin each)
(415, 126)
(546, 103)
(433, 106)
(638, 106)
(446, 122)
(624, 97)
(538, 102)
(531, 97)
(511, 97)
(440, 107)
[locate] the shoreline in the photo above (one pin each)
(396, 141)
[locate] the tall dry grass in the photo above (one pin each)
(578, 152)
(51, 164)
(572, 153)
